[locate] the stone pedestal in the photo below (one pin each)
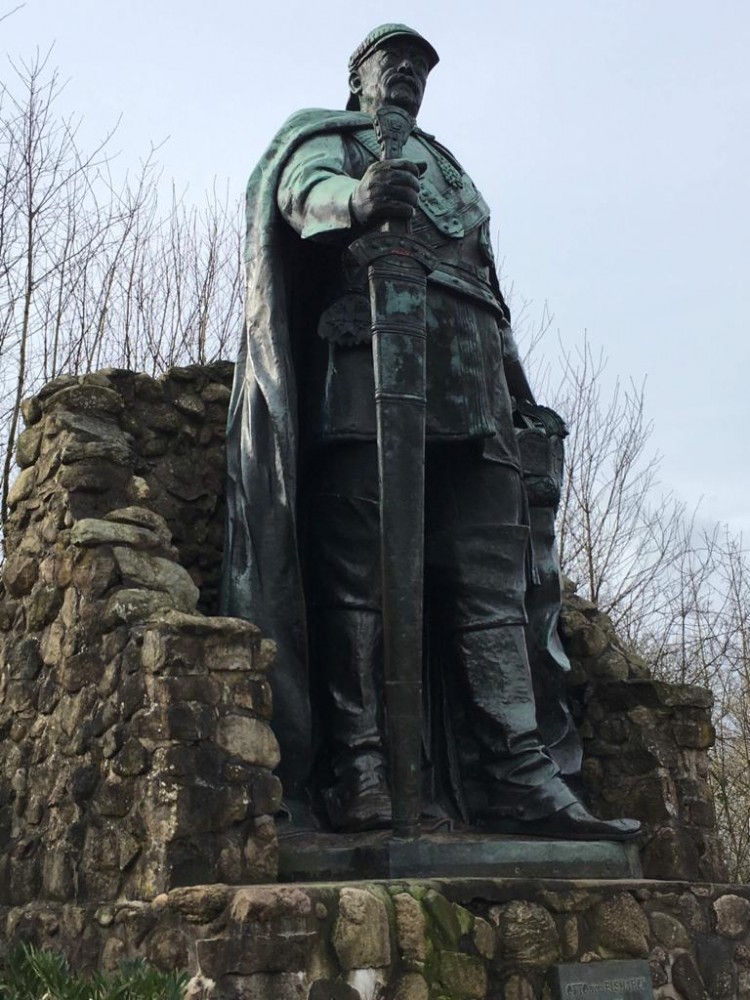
(458, 939)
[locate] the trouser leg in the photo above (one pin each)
(477, 559)
(343, 588)
(349, 642)
(480, 582)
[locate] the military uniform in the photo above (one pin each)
(302, 532)
(476, 534)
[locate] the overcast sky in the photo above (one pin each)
(611, 139)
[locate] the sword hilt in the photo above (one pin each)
(392, 128)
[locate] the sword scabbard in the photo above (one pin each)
(397, 269)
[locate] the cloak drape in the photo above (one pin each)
(261, 579)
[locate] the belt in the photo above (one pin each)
(466, 280)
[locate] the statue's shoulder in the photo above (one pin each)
(297, 129)
(312, 121)
(301, 126)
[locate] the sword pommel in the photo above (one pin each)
(392, 128)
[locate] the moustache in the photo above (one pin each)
(402, 78)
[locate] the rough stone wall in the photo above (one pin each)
(115, 532)
(412, 940)
(136, 753)
(645, 748)
(116, 438)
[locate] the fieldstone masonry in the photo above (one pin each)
(136, 755)
(412, 940)
(645, 747)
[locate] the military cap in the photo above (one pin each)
(378, 36)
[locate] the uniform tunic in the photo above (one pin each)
(467, 395)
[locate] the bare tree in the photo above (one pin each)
(703, 637)
(93, 273)
(619, 537)
(13, 10)
(677, 591)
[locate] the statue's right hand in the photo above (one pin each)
(389, 189)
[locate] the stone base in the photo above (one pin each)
(320, 857)
(457, 939)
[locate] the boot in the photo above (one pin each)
(523, 789)
(501, 713)
(350, 642)
(549, 663)
(525, 793)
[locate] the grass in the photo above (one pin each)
(31, 973)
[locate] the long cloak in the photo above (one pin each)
(262, 579)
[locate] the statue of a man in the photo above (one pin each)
(302, 546)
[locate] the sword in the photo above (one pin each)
(397, 271)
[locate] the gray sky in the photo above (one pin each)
(610, 138)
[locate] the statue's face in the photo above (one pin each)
(395, 73)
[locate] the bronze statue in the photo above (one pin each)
(349, 245)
